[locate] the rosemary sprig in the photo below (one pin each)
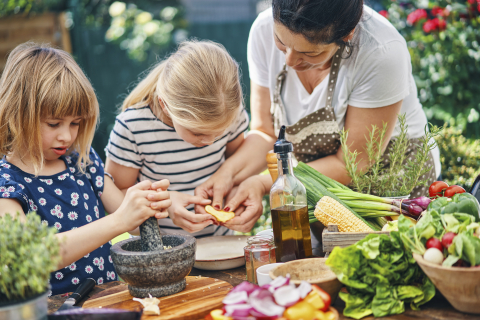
(400, 176)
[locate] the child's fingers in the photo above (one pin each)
(162, 184)
(198, 200)
(161, 214)
(218, 195)
(161, 205)
(158, 196)
(144, 185)
(192, 217)
(194, 227)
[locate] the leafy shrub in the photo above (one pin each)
(443, 38)
(460, 157)
(29, 251)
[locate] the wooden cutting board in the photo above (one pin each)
(201, 296)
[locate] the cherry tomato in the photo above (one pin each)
(452, 190)
(437, 188)
(434, 243)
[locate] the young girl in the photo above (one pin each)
(48, 113)
(180, 123)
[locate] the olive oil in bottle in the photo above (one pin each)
(288, 200)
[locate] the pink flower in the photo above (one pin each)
(58, 192)
(59, 275)
(72, 215)
(74, 202)
(58, 225)
(73, 266)
(96, 261)
(93, 170)
(437, 11)
(21, 186)
(88, 269)
(434, 24)
(74, 195)
(11, 189)
(89, 218)
(100, 280)
(42, 201)
(3, 189)
(40, 189)
(101, 267)
(75, 281)
(60, 214)
(383, 13)
(5, 194)
(416, 15)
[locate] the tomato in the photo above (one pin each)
(434, 243)
(437, 188)
(453, 190)
(324, 295)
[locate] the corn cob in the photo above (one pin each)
(329, 210)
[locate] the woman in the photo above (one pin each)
(319, 66)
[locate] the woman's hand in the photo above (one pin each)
(216, 188)
(185, 219)
(141, 203)
(247, 203)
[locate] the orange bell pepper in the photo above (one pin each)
(323, 295)
(217, 314)
(300, 311)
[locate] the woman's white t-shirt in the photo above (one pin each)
(377, 74)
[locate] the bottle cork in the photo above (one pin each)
(272, 165)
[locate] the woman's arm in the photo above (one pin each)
(124, 177)
(358, 122)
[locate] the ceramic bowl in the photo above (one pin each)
(314, 271)
(460, 286)
(220, 253)
(263, 273)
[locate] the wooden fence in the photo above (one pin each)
(44, 28)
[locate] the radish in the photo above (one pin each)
(434, 243)
(447, 239)
(433, 255)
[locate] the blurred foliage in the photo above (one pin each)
(443, 38)
(460, 157)
(29, 251)
(135, 30)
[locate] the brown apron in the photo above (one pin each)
(317, 135)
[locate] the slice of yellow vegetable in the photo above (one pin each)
(221, 216)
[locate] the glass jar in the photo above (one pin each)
(260, 250)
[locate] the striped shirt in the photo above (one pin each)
(140, 140)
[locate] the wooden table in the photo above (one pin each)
(437, 309)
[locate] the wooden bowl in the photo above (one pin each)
(314, 271)
(460, 286)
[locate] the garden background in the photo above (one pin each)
(115, 41)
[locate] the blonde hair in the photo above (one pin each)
(199, 85)
(38, 82)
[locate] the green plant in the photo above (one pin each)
(460, 157)
(443, 38)
(29, 251)
(401, 175)
(135, 30)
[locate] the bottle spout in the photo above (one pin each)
(282, 145)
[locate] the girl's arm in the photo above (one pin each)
(250, 157)
(134, 210)
(124, 177)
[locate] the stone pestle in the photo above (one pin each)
(150, 235)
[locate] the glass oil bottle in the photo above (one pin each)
(288, 200)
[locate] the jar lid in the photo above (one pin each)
(263, 239)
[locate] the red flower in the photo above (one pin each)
(478, 7)
(442, 24)
(429, 26)
(437, 11)
(416, 15)
(471, 1)
(384, 13)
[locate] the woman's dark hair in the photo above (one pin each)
(319, 21)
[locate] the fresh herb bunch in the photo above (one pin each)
(29, 251)
(401, 175)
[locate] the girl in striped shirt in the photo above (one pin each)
(180, 123)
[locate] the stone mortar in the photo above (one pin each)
(160, 272)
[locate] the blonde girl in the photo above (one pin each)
(48, 114)
(180, 123)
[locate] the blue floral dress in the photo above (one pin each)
(66, 200)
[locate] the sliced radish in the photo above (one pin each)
(238, 310)
(235, 298)
(286, 296)
(304, 289)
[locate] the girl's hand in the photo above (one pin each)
(159, 197)
(137, 205)
(247, 204)
(216, 188)
(185, 219)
